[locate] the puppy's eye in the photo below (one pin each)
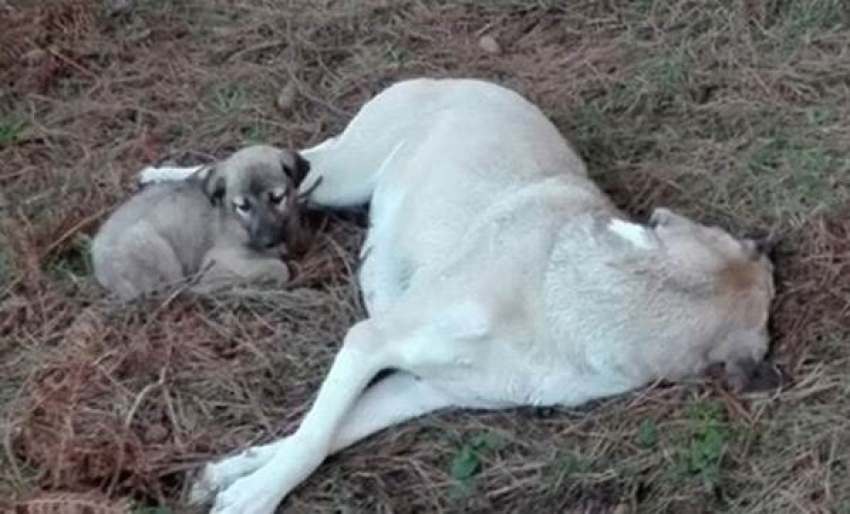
(242, 205)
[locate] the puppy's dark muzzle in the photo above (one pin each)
(265, 234)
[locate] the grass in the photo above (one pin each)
(10, 131)
(734, 112)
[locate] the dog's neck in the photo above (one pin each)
(611, 258)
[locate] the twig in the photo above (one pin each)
(67, 60)
(72, 231)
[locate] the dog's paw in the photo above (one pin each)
(257, 493)
(147, 176)
(160, 173)
(218, 476)
(205, 486)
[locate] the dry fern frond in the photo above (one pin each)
(49, 24)
(72, 503)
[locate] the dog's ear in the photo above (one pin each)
(298, 170)
(212, 183)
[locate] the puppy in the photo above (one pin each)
(230, 222)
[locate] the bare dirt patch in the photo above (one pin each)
(735, 112)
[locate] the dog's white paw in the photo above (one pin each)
(154, 174)
(218, 476)
(205, 486)
(147, 176)
(257, 493)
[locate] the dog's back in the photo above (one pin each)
(155, 239)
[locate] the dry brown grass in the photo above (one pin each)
(734, 111)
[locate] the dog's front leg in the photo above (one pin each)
(294, 458)
(393, 400)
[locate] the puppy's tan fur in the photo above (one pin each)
(230, 222)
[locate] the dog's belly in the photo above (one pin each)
(520, 382)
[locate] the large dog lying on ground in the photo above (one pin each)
(230, 221)
(496, 275)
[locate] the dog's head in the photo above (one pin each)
(258, 187)
(739, 276)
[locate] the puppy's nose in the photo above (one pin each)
(268, 242)
(263, 240)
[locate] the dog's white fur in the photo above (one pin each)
(496, 274)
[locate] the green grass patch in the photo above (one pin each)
(7, 265)
(810, 173)
(647, 434)
(255, 135)
(228, 99)
(700, 451)
(468, 460)
(11, 131)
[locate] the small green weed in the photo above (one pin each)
(11, 131)
(820, 116)
(569, 464)
(398, 55)
(73, 268)
(7, 265)
(647, 434)
(145, 509)
(467, 460)
(228, 99)
(68, 88)
(701, 455)
(254, 134)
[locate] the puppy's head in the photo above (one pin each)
(740, 275)
(258, 187)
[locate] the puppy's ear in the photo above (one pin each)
(298, 170)
(212, 183)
